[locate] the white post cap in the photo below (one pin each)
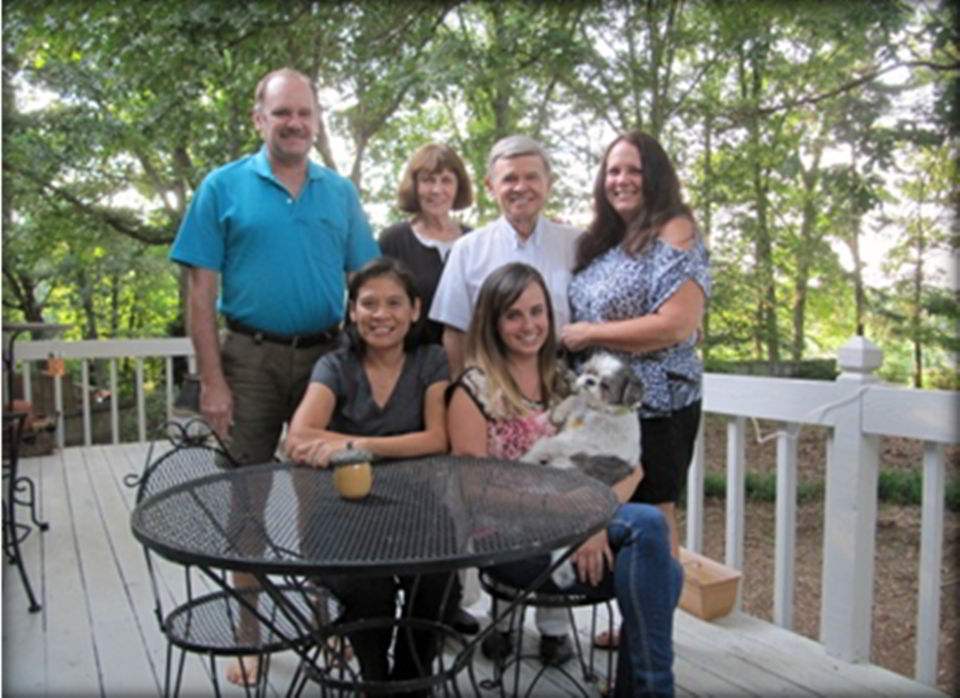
(858, 359)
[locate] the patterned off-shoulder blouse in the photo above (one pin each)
(619, 286)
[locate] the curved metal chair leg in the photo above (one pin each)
(26, 482)
(587, 665)
(12, 537)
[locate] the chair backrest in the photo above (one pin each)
(190, 457)
(182, 464)
(196, 451)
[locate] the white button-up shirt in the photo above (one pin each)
(551, 249)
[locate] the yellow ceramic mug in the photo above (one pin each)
(353, 480)
(352, 472)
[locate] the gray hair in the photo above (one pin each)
(514, 147)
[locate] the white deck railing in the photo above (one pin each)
(857, 409)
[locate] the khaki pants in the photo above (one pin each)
(268, 381)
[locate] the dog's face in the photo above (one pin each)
(609, 381)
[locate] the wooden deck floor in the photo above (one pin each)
(96, 634)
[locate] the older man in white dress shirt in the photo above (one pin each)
(518, 179)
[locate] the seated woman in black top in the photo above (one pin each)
(383, 393)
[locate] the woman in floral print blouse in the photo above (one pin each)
(640, 289)
(499, 408)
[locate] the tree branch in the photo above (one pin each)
(147, 235)
(846, 87)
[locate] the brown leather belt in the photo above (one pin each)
(297, 341)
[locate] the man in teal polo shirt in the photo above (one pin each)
(280, 233)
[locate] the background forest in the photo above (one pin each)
(816, 142)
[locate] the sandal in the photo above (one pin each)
(606, 640)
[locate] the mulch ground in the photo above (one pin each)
(897, 545)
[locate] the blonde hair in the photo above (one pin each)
(486, 349)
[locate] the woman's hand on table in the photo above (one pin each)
(317, 452)
(594, 558)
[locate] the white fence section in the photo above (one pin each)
(857, 409)
(112, 350)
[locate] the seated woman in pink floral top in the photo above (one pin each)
(507, 436)
(499, 408)
(500, 405)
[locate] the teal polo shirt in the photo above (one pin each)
(282, 260)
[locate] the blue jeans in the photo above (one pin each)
(646, 581)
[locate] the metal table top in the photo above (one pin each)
(422, 515)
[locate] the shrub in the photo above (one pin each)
(903, 487)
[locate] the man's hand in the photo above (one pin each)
(593, 558)
(216, 405)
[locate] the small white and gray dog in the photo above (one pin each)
(599, 433)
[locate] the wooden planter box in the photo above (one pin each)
(709, 587)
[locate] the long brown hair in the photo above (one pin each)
(486, 349)
(662, 202)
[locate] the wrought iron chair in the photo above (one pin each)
(500, 592)
(210, 623)
(18, 490)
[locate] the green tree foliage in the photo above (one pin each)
(788, 122)
(917, 306)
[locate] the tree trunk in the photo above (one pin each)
(916, 320)
(661, 62)
(706, 216)
(860, 294)
(808, 226)
(502, 86)
(356, 172)
(763, 246)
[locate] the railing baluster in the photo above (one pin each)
(784, 547)
(58, 406)
(736, 489)
(931, 551)
(141, 402)
(85, 401)
(168, 370)
(27, 367)
(694, 537)
(114, 404)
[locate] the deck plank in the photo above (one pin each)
(97, 634)
(125, 460)
(72, 657)
(120, 652)
(778, 647)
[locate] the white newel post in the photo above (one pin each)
(851, 509)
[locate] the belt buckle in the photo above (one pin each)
(295, 340)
